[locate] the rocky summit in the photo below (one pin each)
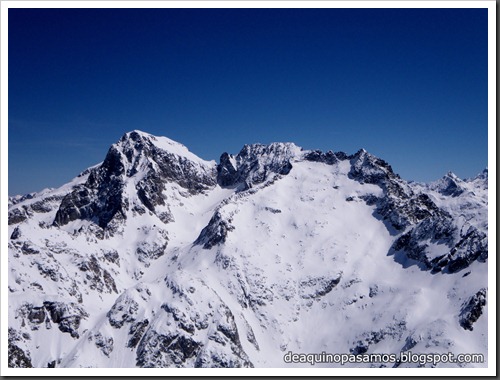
(157, 258)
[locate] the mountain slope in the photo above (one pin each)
(156, 258)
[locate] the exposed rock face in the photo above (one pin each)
(105, 344)
(66, 316)
(328, 158)
(43, 205)
(394, 330)
(166, 166)
(366, 168)
(254, 164)
(317, 287)
(471, 246)
(472, 309)
(399, 205)
(426, 224)
(158, 351)
(100, 198)
(136, 332)
(137, 158)
(215, 232)
(450, 185)
(17, 215)
(98, 277)
(18, 358)
(124, 310)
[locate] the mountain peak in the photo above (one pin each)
(255, 163)
(482, 176)
(135, 134)
(135, 141)
(368, 168)
(449, 185)
(452, 176)
(148, 164)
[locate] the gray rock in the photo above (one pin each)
(472, 309)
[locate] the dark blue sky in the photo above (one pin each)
(408, 85)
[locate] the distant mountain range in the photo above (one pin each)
(157, 258)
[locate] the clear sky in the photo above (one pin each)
(408, 85)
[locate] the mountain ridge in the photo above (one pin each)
(159, 258)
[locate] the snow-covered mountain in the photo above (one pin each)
(157, 258)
